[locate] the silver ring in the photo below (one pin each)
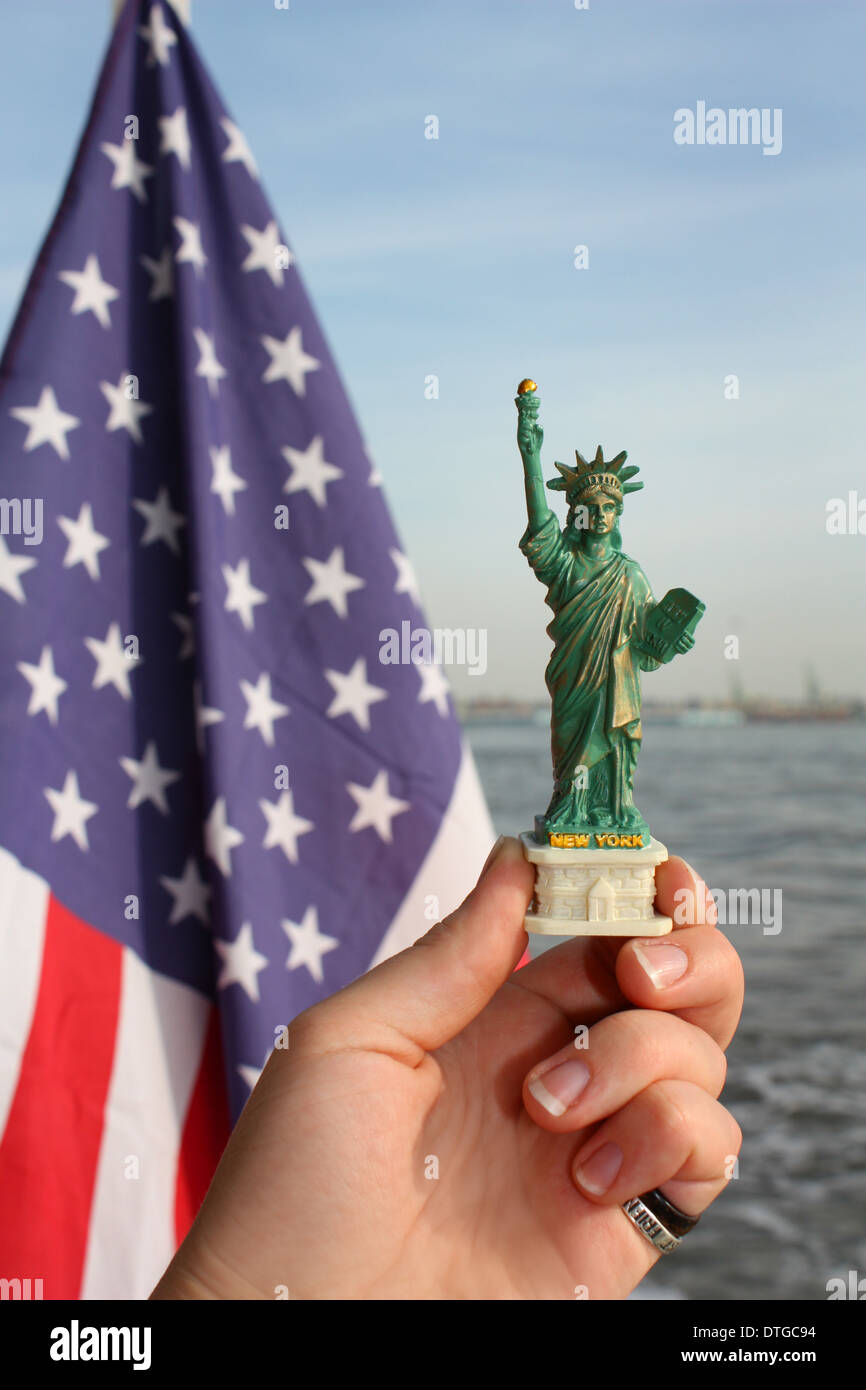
(650, 1226)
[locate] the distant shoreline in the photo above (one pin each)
(685, 715)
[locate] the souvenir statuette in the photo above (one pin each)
(594, 856)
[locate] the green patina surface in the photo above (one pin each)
(606, 629)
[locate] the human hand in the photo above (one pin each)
(328, 1186)
(684, 642)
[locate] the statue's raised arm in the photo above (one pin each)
(529, 440)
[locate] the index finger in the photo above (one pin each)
(693, 972)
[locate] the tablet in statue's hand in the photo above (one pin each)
(674, 618)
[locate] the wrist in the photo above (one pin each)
(201, 1276)
(182, 1286)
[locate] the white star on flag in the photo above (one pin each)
(46, 686)
(126, 410)
(237, 148)
(48, 423)
(353, 694)
(263, 252)
(129, 171)
(91, 291)
(160, 38)
(190, 893)
(289, 362)
(161, 273)
(71, 811)
(331, 581)
(150, 780)
(262, 710)
(163, 524)
(11, 566)
(406, 581)
(190, 249)
(225, 482)
(220, 838)
(208, 366)
(242, 963)
(310, 471)
(113, 664)
(251, 1074)
(242, 596)
(85, 543)
(434, 685)
(174, 136)
(376, 806)
(308, 944)
(284, 827)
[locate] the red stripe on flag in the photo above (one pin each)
(205, 1132)
(50, 1148)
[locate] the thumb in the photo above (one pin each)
(429, 992)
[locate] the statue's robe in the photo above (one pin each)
(593, 673)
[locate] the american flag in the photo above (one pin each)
(217, 805)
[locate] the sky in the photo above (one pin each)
(443, 271)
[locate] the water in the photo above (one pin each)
(778, 807)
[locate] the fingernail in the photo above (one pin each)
(662, 962)
(708, 913)
(506, 847)
(599, 1171)
(492, 855)
(560, 1086)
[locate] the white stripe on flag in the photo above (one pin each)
(158, 1051)
(452, 865)
(23, 910)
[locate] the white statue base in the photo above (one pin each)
(594, 892)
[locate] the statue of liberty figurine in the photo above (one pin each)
(606, 628)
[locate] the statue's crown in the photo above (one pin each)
(589, 477)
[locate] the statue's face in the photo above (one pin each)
(602, 513)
